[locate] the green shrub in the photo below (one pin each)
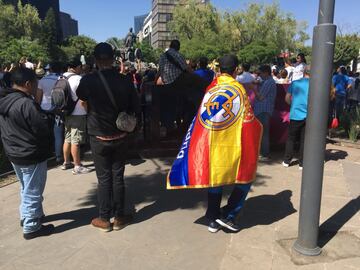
(354, 132)
(350, 122)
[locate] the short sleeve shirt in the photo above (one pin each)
(102, 114)
(299, 91)
(298, 72)
(74, 81)
(46, 84)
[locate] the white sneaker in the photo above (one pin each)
(80, 170)
(286, 165)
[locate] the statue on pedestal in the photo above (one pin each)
(130, 39)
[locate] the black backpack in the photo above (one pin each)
(61, 97)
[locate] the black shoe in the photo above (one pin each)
(41, 220)
(229, 224)
(45, 230)
(213, 227)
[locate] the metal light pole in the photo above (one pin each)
(316, 128)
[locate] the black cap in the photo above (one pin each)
(228, 62)
(103, 51)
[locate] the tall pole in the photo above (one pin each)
(316, 129)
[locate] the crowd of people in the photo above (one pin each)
(100, 92)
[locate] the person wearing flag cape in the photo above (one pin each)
(220, 148)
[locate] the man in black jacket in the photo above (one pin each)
(108, 144)
(26, 135)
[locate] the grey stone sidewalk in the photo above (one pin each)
(168, 231)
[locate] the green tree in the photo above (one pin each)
(117, 43)
(202, 26)
(49, 35)
(198, 27)
(264, 23)
(11, 51)
(27, 21)
(8, 26)
(346, 49)
(75, 46)
(150, 55)
(192, 20)
(258, 52)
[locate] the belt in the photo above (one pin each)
(112, 138)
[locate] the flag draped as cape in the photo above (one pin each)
(222, 144)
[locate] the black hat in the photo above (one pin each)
(228, 63)
(103, 51)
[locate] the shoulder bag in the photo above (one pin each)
(124, 122)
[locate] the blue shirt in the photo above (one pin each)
(268, 91)
(299, 91)
(206, 74)
(340, 82)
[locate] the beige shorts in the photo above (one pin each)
(75, 129)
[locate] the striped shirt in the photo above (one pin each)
(268, 91)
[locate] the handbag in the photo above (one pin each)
(124, 121)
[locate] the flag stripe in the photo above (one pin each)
(199, 156)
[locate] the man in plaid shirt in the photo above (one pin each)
(172, 64)
(183, 89)
(264, 107)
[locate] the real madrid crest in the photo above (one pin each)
(221, 107)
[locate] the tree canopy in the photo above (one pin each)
(116, 43)
(259, 29)
(11, 51)
(76, 46)
(23, 34)
(347, 48)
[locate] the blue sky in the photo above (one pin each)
(108, 18)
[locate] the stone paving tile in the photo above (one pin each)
(166, 233)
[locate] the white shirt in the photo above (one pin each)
(74, 82)
(29, 65)
(298, 72)
(290, 71)
(245, 77)
(82, 59)
(47, 84)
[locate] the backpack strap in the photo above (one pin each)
(67, 79)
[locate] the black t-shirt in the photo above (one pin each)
(101, 113)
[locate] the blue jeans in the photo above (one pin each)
(264, 118)
(339, 105)
(32, 179)
(234, 205)
(59, 139)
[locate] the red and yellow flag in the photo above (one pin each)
(222, 144)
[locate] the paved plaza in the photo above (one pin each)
(169, 232)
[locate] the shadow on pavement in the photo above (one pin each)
(150, 188)
(335, 155)
(332, 226)
(266, 209)
(263, 210)
(78, 218)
